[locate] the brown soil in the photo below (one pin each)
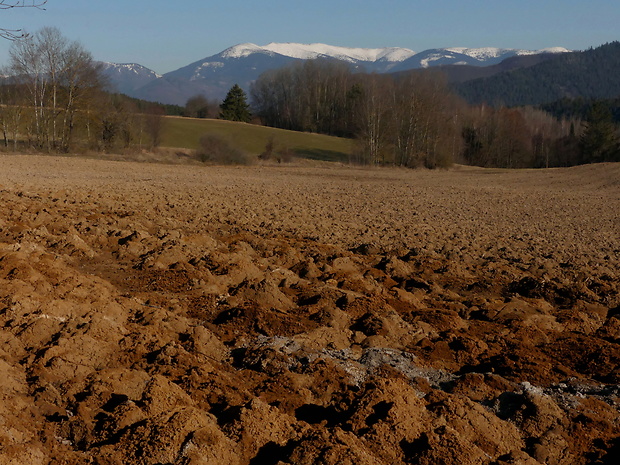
(157, 314)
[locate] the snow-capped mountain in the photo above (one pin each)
(126, 78)
(213, 76)
(351, 55)
(242, 64)
(368, 59)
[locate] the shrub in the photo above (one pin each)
(285, 155)
(268, 152)
(217, 150)
(282, 154)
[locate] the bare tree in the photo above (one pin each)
(309, 96)
(200, 106)
(373, 120)
(154, 124)
(14, 34)
(52, 47)
(59, 77)
(426, 123)
(80, 81)
(27, 66)
(11, 109)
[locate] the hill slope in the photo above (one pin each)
(591, 74)
(186, 133)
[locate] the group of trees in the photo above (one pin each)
(235, 106)
(407, 121)
(600, 141)
(53, 97)
(517, 138)
(528, 137)
(312, 96)
(413, 119)
(52, 80)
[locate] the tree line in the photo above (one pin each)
(53, 97)
(414, 119)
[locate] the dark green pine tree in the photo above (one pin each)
(599, 142)
(235, 106)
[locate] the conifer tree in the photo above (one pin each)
(235, 106)
(599, 142)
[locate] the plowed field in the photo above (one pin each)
(158, 314)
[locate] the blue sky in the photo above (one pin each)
(165, 35)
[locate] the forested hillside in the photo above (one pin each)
(462, 73)
(590, 74)
(581, 107)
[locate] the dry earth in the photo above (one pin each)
(157, 314)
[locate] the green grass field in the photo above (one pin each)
(186, 133)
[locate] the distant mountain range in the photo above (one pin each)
(242, 64)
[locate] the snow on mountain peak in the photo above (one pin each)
(396, 54)
(312, 51)
(134, 68)
(543, 50)
(242, 50)
(487, 53)
(483, 53)
(309, 51)
(371, 55)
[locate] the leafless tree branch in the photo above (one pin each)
(12, 34)
(16, 34)
(6, 4)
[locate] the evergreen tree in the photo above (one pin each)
(235, 106)
(599, 141)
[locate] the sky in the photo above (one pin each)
(165, 35)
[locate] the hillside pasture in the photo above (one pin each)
(185, 133)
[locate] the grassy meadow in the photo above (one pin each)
(186, 133)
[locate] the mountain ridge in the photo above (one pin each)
(126, 78)
(243, 63)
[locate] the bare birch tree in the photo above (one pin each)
(373, 118)
(27, 67)
(60, 77)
